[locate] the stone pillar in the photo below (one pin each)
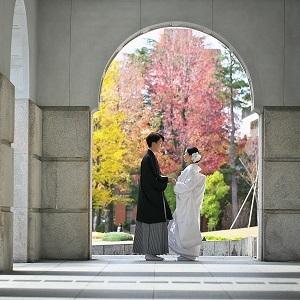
(280, 211)
(6, 172)
(27, 180)
(20, 209)
(34, 182)
(66, 231)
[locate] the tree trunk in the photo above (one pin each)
(234, 200)
(232, 149)
(99, 216)
(110, 217)
(94, 219)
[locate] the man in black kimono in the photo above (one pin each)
(153, 212)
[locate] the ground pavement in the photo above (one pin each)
(130, 277)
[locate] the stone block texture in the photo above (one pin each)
(66, 133)
(6, 175)
(6, 241)
(280, 213)
(7, 101)
(69, 180)
(66, 201)
(65, 235)
(6, 172)
(27, 180)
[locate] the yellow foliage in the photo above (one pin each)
(109, 92)
(110, 173)
(120, 127)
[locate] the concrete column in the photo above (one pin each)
(280, 209)
(27, 180)
(66, 232)
(20, 208)
(6, 172)
(34, 182)
(260, 187)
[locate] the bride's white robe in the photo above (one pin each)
(184, 230)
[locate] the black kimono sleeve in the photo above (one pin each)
(151, 177)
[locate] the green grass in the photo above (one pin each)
(222, 235)
(230, 234)
(221, 238)
(117, 236)
(98, 236)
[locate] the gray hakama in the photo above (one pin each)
(151, 238)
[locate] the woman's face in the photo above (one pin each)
(187, 158)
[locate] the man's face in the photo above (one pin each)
(156, 145)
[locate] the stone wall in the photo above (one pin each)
(52, 183)
(264, 33)
(66, 230)
(280, 209)
(244, 247)
(6, 172)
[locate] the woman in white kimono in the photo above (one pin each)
(184, 230)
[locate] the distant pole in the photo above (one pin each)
(253, 186)
(253, 196)
(242, 206)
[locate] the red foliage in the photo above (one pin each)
(183, 88)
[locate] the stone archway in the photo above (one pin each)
(178, 25)
(19, 65)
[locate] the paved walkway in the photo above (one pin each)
(130, 277)
(95, 242)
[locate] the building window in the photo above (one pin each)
(254, 124)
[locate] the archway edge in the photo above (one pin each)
(182, 24)
(20, 51)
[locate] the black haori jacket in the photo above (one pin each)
(151, 202)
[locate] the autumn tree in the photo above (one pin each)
(110, 172)
(183, 90)
(133, 103)
(180, 87)
(131, 85)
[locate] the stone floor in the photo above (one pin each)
(130, 277)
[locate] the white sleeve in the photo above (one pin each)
(189, 185)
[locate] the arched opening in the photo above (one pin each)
(19, 76)
(19, 67)
(222, 93)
